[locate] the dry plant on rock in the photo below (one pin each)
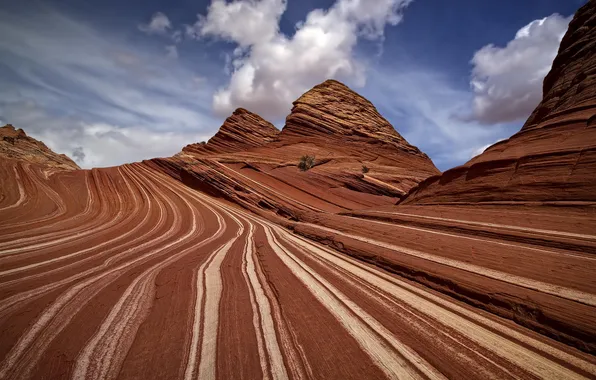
(306, 162)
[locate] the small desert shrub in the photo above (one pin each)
(306, 162)
(365, 169)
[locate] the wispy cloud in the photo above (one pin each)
(85, 91)
(159, 24)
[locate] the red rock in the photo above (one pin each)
(333, 110)
(15, 144)
(241, 131)
(332, 123)
(553, 157)
(125, 272)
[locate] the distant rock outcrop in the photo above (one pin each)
(553, 157)
(241, 131)
(15, 144)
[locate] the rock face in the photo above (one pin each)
(360, 160)
(571, 82)
(553, 157)
(15, 144)
(241, 131)
(332, 110)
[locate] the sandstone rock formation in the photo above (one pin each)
(126, 273)
(553, 157)
(152, 270)
(332, 110)
(241, 131)
(571, 83)
(360, 160)
(15, 144)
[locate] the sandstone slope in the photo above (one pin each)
(15, 144)
(126, 273)
(553, 157)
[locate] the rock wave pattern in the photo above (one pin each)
(127, 273)
(227, 261)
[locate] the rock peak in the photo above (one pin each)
(333, 109)
(241, 131)
(242, 111)
(15, 144)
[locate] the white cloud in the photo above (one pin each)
(159, 24)
(244, 22)
(270, 70)
(507, 81)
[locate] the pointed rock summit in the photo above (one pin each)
(241, 131)
(333, 109)
(553, 157)
(15, 144)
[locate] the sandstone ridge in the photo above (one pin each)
(360, 160)
(333, 110)
(241, 131)
(15, 144)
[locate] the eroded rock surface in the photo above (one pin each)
(151, 270)
(360, 160)
(15, 144)
(241, 131)
(332, 110)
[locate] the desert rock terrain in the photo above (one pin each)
(226, 261)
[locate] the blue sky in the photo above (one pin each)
(110, 82)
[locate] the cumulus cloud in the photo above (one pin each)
(159, 24)
(420, 101)
(244, 22)
(507, 81)
(269, 69)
